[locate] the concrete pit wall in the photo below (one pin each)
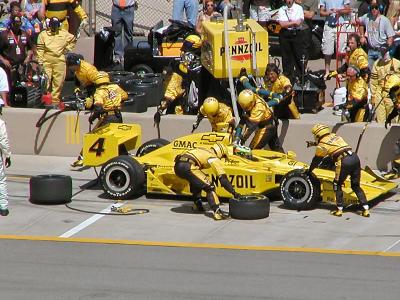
(58, 137)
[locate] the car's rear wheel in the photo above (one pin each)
(300, 190)
(150, 146)
(122, 177)
(251, 207)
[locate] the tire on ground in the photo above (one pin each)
(150, 146)
(250, 207)
(299, 190)
(50, 189)
(122, 177)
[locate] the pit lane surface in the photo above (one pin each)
(293, 255)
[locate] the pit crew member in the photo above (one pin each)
(85, 73)
(218, 114)
(5, 161)
(105, 105)
(258, 117)
(346, 161)
(357, 95)
(189, 166)
(52, 45)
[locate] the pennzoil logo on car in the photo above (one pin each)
(241, 50)
(179, 144)
(238, 181)
(213, 137)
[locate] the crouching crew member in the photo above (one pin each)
(189, 166)
(347, 164)
(218, 114)
(258, 117)
(85, 73)
(105, 105)
(357, 95)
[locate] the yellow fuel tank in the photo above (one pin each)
(240, 47)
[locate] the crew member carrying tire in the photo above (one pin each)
(346, 161)
(85, 73)
(189, 166)
(258, 117)
(183, 74)
(357, 100)
(105, 105)
(218, 114)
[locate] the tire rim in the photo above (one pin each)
(298, 189)
(117, 179)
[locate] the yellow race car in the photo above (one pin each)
(251, 172)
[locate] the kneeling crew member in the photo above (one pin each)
(347, 163)
(258, 117)
(85, 73)
(218, 114)
(105, 105)
(189, 166)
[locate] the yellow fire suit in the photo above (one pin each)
(357, 99)
(223, 121)
(189, 166)
(380, 75)
(59, 9)
(283, 85)
(347, 164)
(359, 59)
(51, 48)
(86, 73)
(261, 120)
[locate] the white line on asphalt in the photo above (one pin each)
(89, 221)
(390, 247)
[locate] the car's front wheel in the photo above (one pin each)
(122, 177)
(300, 190)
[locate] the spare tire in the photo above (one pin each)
(251, 207)
(150, 146)
(50, 189)
(136, 103)
(121, 76)
(122, 177)
(151, 85)
(300, 190)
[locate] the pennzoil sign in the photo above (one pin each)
(241, 50)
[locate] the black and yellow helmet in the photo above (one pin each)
(246, 99)
(320, 130)
(220, 150)
(210, 106)
(192, 43)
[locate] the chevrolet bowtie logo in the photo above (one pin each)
(124, 127)
(212, 137)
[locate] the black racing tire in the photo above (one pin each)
(142, 69)
(299, 190)
(150, 146)
(250, 207)
(50, 189)
(120, 77)
(122, 177)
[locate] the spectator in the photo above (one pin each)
(375, 30)
(206, 14)
(220, 5)
(6, 152)
(393, 8)
(52, 45)
(4, 89)
(15, 10)
(384, 71)
(59, 9)
(309, 9)
(122, 17)
(291, 18)
(190, 7)
(31, 11)
(395, 20)
(336, 12)
(260, 11)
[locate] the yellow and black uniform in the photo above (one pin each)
(107, 101)
(221, 121)
(359, 58)
(86, 73)
(189, 166)
(59, 9)
(380, 85)
(258, 117)
(346, 161)
(357, 99)
(50, 51)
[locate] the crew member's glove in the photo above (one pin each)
(387, 122)
(157, 117)
(243, 72)
(311, 144)
(194, 126)
(92, 118)
(77, 90)
(331, 74)
(236, 195)
(8, 162)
